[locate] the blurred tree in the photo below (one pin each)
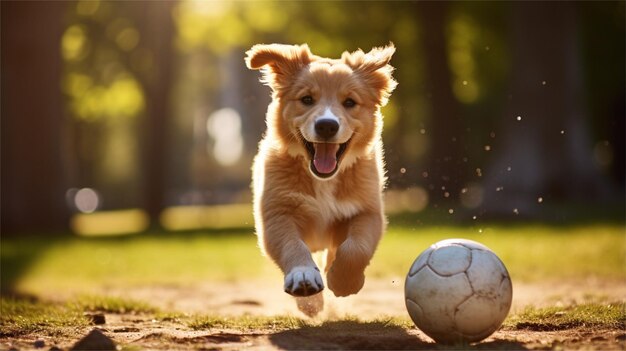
(544, 149)
(118, 68)
(447, 160)
(33, 186)
(604, 38)
(157, 26)
(121, 77)
(103, 58)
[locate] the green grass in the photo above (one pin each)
(249, 322)
(530, 253)
(109, 304)
(595, 315)
(21, 317)
(84, 265)
(75, 265)
(246, 322)
(77, 270)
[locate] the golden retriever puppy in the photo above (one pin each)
(319, 173)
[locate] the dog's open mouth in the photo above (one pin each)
(325, 157)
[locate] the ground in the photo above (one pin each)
(382, 322)
(568, 293)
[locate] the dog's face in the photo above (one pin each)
(326, 111)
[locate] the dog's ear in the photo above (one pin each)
(279, 62)
(374, 68)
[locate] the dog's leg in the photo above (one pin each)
(345, 276)
(303, 281)
(292, 255)
(330, 258)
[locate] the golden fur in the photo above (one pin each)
(301, 206)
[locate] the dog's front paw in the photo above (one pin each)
(303, 281)
(344, 283)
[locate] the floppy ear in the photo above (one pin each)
(279, 62)
(374, 69)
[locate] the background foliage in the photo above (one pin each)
(504, 109)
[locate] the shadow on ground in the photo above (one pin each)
(377, 335)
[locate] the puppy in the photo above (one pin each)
(319, 174)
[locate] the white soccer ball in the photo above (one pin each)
(458, 290)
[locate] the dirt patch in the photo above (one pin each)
(344, 335)
(580, 338)
(332, 329)
(379, 297)
(349, 335)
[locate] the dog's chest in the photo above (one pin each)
(330, 206)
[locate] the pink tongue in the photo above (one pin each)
(325, 158)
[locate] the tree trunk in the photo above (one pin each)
(544, 151)
(445, 167)
(157, 29)
(33, 187)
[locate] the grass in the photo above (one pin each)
(246, 323)
(595, 315)
(75, 265)
(110, 304)
(84, 265)
(24, 318)
(530, 253)
(274, 323)
(21, 317)
(78, 270)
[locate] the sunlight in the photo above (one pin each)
(127, 39)
(224, 127)
(198, 217)
(265, 16)
(110, 223)
(413, 199)
(122, 98)
(462, 37)
(87, 7)
(74, 84)
(123, 33)
(74, 43)
(86, 200)
(212, 24)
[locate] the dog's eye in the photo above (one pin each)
(349, 103)
(307, 100)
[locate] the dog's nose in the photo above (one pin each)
(326, 127)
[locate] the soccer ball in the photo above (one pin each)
(458, 290)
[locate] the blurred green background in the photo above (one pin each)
(123, 116)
